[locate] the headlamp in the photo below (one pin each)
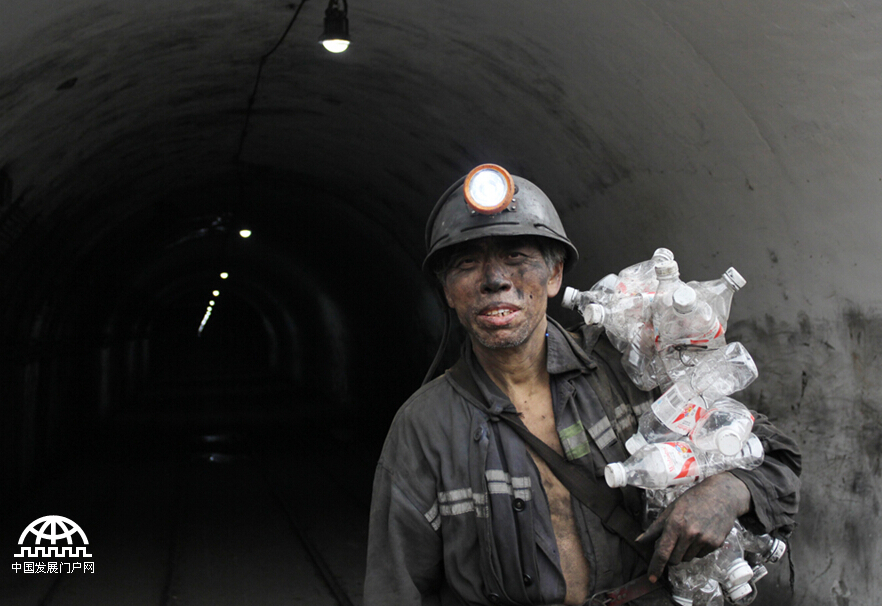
(488, 189)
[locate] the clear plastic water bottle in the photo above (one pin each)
(622, 317)
(639, 359)
(687, 579)
(723, 371)
(641, 277)
(688, 323)
(668, 275)
(766, 547)
(719, 293)
(679, 409)
(709, 594)
(673, 463)
(730, 568)
(636, 279)
(725, 427)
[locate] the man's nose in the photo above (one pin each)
(495, 277)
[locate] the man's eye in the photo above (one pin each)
(465, 262)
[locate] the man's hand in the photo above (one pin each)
(697, 522)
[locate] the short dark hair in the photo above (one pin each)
(553, 252)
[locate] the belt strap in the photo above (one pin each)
(626, 593)
(604, 501)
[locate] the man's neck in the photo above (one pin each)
(514, 369)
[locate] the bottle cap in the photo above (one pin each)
(739, 573)
(663, 253)
(728, 441)
(635, 443)
(684, 299)
(739, 592)
(777, 550)
(734, 279)
(570, 297)
(615, 475)
(667, 269)
(594, 313)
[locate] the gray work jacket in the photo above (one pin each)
(459, 514)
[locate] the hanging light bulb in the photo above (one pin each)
(336, 35)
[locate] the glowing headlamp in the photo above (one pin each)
(489, 189)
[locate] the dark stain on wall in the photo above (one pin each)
(821, 382)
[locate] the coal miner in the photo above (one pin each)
(465, 509)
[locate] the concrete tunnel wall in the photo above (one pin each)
(732, 133)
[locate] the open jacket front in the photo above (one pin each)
(459, 514)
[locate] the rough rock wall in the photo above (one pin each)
(820, 382)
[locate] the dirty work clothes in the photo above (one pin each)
(459, 514)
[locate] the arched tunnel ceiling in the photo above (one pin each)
(730, 131)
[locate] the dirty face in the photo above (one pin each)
(499, 287)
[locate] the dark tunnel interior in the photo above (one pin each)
(233, 465)
(321, 325)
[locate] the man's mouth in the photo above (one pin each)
(498, 315)
(498, 312)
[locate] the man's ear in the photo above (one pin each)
(555, 280)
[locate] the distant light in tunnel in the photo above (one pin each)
(211, 303)
(336, 35)
(224, 275)
(245, 233)
(215, 293)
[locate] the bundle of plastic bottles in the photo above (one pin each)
(672, 336)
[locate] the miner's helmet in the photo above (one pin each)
(489, 201)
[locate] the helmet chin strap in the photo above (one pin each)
(445, 337)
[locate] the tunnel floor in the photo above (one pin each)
(190, 514)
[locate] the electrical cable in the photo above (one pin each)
(257, 80)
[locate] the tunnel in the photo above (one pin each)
(209, 408)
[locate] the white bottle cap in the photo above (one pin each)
(570, 298)
(594, 313)
(635, 443)
(615, 475)
(727, 441)
(667, 269)
(777, 551)
(740, 591)
(739, 573)
(684, 299)
(734, 279)
(664, 253)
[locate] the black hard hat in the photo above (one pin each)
(491, 202)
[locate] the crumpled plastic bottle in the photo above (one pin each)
(688, 323)
(720, 373)
(718, 293)
(724, 428)
(671, 463)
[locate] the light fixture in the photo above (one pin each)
(336, 36)
(215, 293)
(488, 189)
(224, 275)
(245, 233)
